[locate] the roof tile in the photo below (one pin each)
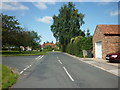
(109, 29)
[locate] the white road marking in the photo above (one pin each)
(60, 62)
(57, 58)
(25, 69)
(21, 72)
(68, 74)
(42, 56)
(30, 65)
(38, 57)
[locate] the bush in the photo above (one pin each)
(48, 48)
(4, 48)
(15, 49)
(78, 44)
(56, 49)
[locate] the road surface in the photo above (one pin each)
(58, 70)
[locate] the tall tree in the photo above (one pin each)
(88, 33)
(14, 35)
(10, 29)
(67, 24)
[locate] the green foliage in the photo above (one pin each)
(87, 43)
(78, 44)
(48, 48)
(8, 77)
(75, 46)
(10, 29)
(14, 35)
(56, 49)
(67, 25)
(29, 38)
(88, 33)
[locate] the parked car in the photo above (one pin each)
(113, 57)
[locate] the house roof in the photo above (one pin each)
(109, 29)
(48, 44)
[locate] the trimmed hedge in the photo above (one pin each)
(78, 44)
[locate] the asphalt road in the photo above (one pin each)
(58, 70)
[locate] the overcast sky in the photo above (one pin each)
(37, 16)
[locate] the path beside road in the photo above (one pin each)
(105, 65)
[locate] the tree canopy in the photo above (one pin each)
(10, 29)
(67, 24)
(15, 35)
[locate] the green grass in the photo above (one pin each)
(22, 53)
(8, 77)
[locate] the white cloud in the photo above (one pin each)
(115, 13)
(46, 19)
(40, 5)
(43, 5)
(13, 6)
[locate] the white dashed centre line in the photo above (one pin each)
(68, 74)
(38, 57)
(21, 72)
(66, 70)
(30, 65)
(60, 62)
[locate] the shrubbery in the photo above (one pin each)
(56, 49)
(78, 44)
(48, 48)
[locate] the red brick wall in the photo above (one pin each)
(119, 44)
(110, 44)
(98, 36)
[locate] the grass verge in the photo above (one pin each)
(22, 53)
(8, 77)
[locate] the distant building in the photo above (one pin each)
(49, 44)
(106, 39)
(26, 48)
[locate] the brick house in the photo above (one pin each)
(106, 39)
(49, 44)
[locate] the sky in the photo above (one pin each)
(37, 16)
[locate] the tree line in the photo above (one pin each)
(14, 35)
(66, 29)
